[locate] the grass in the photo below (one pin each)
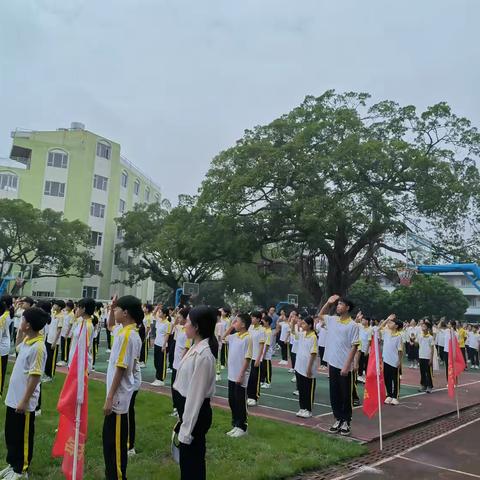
(271, 450)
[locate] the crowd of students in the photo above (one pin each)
(195, 346)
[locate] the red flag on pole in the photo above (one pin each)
(374, 392)
(456, 363)
(73, 408)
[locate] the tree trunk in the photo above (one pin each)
(307, 265)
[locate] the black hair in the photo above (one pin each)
(36, 317)
(309, 321)
(133, 306)
(60, 303)
(88, 304)
(246, 319)
(28, 300)
(149, 307)
(8, 299)
(166, 312)
(3, 306)
(45, 305)
(204, 319)
(399, 324)
(347, 302)
(267, 319)
(257, 315)
(98, 305)
(453, 323)
(184, 312)
(227, 310)
(70, 304)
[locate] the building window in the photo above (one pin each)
(94, 267)
(96, 238)
(100, 182)
(41, 294)
(54, 189)
(89, 292)
(8, 181)
(157, 197)
(124, 179)
(97, 210)
(57, 159)
(119, 233)
(103, 150)
(121, 206)
(147, 194)
(117, 257)
(136, 187)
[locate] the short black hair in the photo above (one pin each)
(133, 306)
(267, 319)
(36, 317)
(88, 304)
(347, 302)
(70, 304)
(60, 303)
(28, 300)
(257, 315)
(45, 305)
(227, 310)
(309, 321)
(149, 307)
(245, 318)
(98, 305)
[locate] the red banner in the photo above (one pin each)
(456, 364)
(372, 383)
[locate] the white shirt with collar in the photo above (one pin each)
(195, 381)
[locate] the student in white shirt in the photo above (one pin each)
(450, 332)
(473, 342)
(195, 384)
(365, 337)
(257, 332)
(266, 365)
(160, 348)
(144, 332)
(239, 362)
(4, 341)
(340, 350)
(53, 339)
(284, 340)
(225, 313)
(321, 330)
(23, 393)
(66, 333)
(126, 315)
(425, 353)
(440, 340)
(305, 367)
(392, 352)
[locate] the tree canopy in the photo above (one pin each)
(337, 176)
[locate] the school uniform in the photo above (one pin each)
(440, 342)
(365, 337)
(392, 346)
(142, 331)
(163, 330)
(4, 347)
(65, 335)
(266, 365)
(137, 376)
(322, 341)
(182, 344)
(446, 347)
(307, 346)
(284, 332)
(125, 354)
(19, 427)
(96, 338)
(77, 327)
(343, 335)
(16, 323)
(240, 348)
(195, 384)
(224, 326)
(293, 344)
(257, 332)
(425, 345)
(473, 343)
(52, 345)
(462, 337)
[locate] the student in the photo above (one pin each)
(53, 339)
(322, 339)
(473, 342)
(257, 332)
(305, 367)
(440, 340)
(284, 341)
(137, 376)
(293, 338)
(450, 331)
(225, 313)
(462, 338)
(195, 384)
(412, 344)
(266, 365)
(182, 344)
(145, 333)
(239, 364)
(340, 350)
(163, 330)
(4, 341)
(125, 316)
(66, 333)
(365, 337)
(425, 353)
(23, 393)
(83, 317)
(392, 351)
(220, 330)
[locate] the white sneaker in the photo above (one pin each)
(300, 413)
(61, 364)
(6, 471)
(142, 365)
(174, 413)
(232, 431)
(294, 379)
(108, 350)
(38, 413)
(222, 367)
(291, 370)
(16, 476)
(307, 414)
(283, 362)
(251, 403)
(238, 433)
(296, 393)
(361, 379)
(218, 378)
(158, 383)
(395, 401)
(266, 385)
(169, 370)
(131, 452)
(388, 400)
(46, 379)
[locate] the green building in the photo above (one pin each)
(84, 176)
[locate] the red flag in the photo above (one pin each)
(374, 370)
(73, 401)
(456, 363)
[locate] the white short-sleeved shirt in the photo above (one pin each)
(257, 333)
(294, 338)
(125, 354)
(56, 322)
(18, 317)
(239, 348)
(392, 344)
(472, 341)
(269, 343)
(181, 346)
(365, 336)
(342, 336)
(68, 320)
(147, 320)
(4, 334)
(163, 330)
(475, 339)
(440, 337)
(321, 334)
(425, 344)
(75, 335)
(32, 355)
(412, 331)
(447, 339)
(307, 346)
(220, 329)
(284, 330)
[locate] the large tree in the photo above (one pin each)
(41, 243)
(336, 177)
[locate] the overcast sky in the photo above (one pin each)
(175, 82)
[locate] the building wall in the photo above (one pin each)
(83, 164)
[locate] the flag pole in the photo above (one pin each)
(454, 357)
(377, 361)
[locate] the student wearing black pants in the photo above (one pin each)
(284, 350)
(237, 400)
(306, 392)
(426, 379)
(3, 372)
(340, 394)
(392, 380)
(224, 355)
(143, 351)
(253, 388)
(115, 440)
(131, 424)
(160, 362)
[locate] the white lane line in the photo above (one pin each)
(438, 466)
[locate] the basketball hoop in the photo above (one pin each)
(405, 275)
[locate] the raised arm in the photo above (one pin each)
(330, 302)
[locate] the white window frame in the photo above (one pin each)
(51, 185)
(96, 267)
(98, 238)
(99, 208)
(11, 182)
(104, 150)
(54, 161)
(147, 195)
(122, 205)
(100, 182)
(124, 179)
(136, 187)
(93, 291)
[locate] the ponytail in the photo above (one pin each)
(213, 344)
(205, 319)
